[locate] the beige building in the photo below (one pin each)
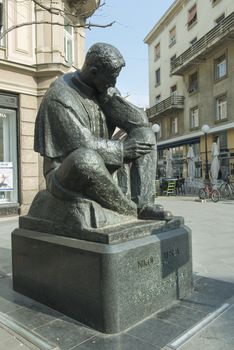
(31, 56)
(191, 82)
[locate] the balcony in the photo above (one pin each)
(167, 106)
(198, 51)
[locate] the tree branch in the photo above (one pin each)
(58, 11)
(86, 26)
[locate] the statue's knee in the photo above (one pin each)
(143, 134)
(86, 159)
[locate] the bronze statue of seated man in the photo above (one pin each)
(73, 133)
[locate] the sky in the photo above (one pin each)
(133, 21)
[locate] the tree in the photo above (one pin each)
(70, 8)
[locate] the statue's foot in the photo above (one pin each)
(154, 212)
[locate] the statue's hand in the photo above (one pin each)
(133, 149)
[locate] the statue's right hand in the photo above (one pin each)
(133, 149)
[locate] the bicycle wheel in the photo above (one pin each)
(202, 193)
(215, 196)
(224, 190)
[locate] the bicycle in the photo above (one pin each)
(209, 192)
(227, 188)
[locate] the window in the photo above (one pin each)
(157, 98)
(194, 118)
(192, 42)
(157, 77)
(173, 90)
(174, 126)
(192, 16)
(172, 60)
(68, 42)
(220, 67)
(214, 2)
(193, 83)
(221, 107)
(157, 52)
(1, 20)
(172, 36)
(219, 19)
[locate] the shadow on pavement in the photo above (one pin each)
(154, 333)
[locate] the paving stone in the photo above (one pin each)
(156, 332)
(65, 332)
(34, 316)
(122, 342)
(218, 335)
(181, 316)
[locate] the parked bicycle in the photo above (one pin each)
(226, 189)
(208, 191)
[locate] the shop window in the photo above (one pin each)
(194, 118)
(193, 83)
(8, 157)
(221, 108)
(192, 16)
(157, 77)
(172, 36)
(68, 42)
(157, 52)
(174, 126)
(221, 67)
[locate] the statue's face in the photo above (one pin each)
(104, 80)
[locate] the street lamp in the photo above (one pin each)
(205, 129)
(156, 128)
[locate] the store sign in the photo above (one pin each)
(6, 176)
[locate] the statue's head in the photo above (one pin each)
(102, 66)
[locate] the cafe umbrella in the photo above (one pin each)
(169, 168)
(215, 166)
(191, 163)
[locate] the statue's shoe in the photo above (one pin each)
(154, 212)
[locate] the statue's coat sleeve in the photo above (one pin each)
(60, 129)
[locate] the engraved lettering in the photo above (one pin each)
(169, 255)
(145, 262)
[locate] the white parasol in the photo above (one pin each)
(214, 169)
(191, 163)
(169, 168)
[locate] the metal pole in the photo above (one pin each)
(207, 170)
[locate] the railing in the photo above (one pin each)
(219, 31)
(171, 102)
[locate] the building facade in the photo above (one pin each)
(31, 57)
(191, 83)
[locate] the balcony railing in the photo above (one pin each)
(224, 29)
(166, 106)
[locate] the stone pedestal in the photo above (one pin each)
(109, 287)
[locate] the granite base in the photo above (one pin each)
(107, 287)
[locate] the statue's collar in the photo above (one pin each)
(87, 90)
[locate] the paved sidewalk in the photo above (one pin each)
(207, 313)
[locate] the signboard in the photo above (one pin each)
(6, 176)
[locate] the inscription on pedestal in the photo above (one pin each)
(145, 262)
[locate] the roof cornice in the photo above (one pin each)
(164, 20)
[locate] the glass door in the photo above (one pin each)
(8, 157)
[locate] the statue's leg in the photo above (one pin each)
(84, 171)
(143, 169)
(143, 176)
